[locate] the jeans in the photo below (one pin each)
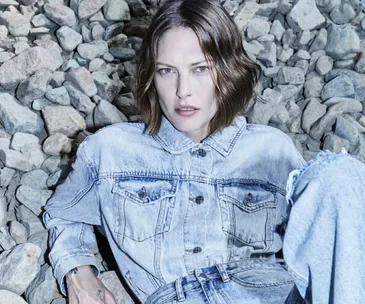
(322, 247)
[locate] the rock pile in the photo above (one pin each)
(67, 68)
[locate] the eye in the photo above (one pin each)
(165, 71)
(202, 69)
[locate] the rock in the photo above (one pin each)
(97, 64)
(93, 49)
(281, 115)
(303, 65)
(41, 20)
(6, 175)
(245, 14)
(313, 87)
(81, 79)
(5, 56)
(79, 100)
(6, 241)
(327, 121)
(137, 7)
(25, 64)
(60, 14)
(57, 144)
(288, 91)
(126, 104)
(267, 57)
(314, 57)
(284, 53)
(117, 10)
(360, 64)
(327, 5)
(112, 283)
(33, 198)
(68, 38)
(17, 118)
(97, 32)
(87, 8)
(20, 46)
(122, 53)
(342, 14)
(34, 154)
(106, 114)
(333, 143)
(63, 119)
(4, 143)
(334, 100)
(347, 130)
(261, 113)
(18, 232)
(305, 16)
(20, 139)
(107, 88)
(289, 75)
(17, 24)
(34, 86)
(58, 78)
(340, 86)
(19, 267)
(257, 27)
(10, 297)
(272, 97)
(43, 288)
(342, 41)
(3, 212)
(230, 6)
(36, 179)
(300, 55)
(3, 32)
(324, 64)
(58, 95)
(312, 112)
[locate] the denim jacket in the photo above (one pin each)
(169, 205)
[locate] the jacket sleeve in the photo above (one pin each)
(69, 217)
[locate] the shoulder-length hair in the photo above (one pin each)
(234, 74)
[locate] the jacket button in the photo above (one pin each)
(197, 250)
(199, 199)
(202, 153)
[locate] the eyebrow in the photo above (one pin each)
(171, 66)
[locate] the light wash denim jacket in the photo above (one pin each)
(169, 205)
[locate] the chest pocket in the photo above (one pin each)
(248, 212)
(143, 207)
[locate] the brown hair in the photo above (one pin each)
(235, 75)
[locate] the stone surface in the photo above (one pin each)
(87, 8)
(106, 114)
(21, 139)
(342, 14)
(245, 14)
(81, 79)
(324, 64)
(68, 38)
(289, 75)
(34, 154)
(312, 112)
(117, 10)
(257, 27)
(57, 144)
(60, 14)
(18, 232)
(14, 159)
(107, 88)
(33, 198)
(340, 86)
(19, 267)
(16, 23)
(58, 95)
(305, 16)
(10, 297)
(36, 179)
(79, 100)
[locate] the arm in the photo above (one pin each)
(69, 217)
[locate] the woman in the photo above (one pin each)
(193, 201)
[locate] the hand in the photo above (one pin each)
(84, 287)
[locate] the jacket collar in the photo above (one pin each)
(176, 142)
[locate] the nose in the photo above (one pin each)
(183, 89)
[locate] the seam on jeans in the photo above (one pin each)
(296, 276)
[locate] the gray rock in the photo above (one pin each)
(320, 41)
(257, 27)
(290, 75)
(14, 159)
(288, 91)
(284, 6)
(27, 63)
(36, 179)
(363, 24)
(333, 143)
(81, 79)
(300, 55)
(122, 53)
(112, 283)
(39, 104)
(106, 114)
(33, 198)
(261, 113)
(342, 14)
(60, 14)
(327, 5)
(20, 46)
(312, 112)
(313, 87)
(43, 288)
(3, 32)
(3, 212)
(272, 97)
(54, 178)
(305, 16)
(34, 86)
(295, 115)
(284, 53)
(117, 10)
(57, 301)
(6, 175)
(10, 297)
(281, 115)
(97, 32)
(38, 30)
(4, 143)
(253, 47)
(63, 119)
(230, 6)
(137, 7)
(68, 38)
(41, 20)
(334, 100)
(17, 24)
(314, 57)
(324, 64)
(360, 64)
(18, 232)
(5, 56)
(93, 49)
(340, 86)
(17, 118)
(347, 130)
(58, 95)
(19, 267)
(79, 100)
(57, 144)
(58, 78)
(303, 65)
(342, 40)
(34, 226)
(34, 154)
(97, 64)
(245, 14)
(327, 121)
(107, 88)
(6, 241)
(21, 139)
(68, 65)
(87, 8)
(267, 57)
(126, 104)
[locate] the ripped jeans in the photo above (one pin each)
(322, 248)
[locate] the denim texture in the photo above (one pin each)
(169, 206)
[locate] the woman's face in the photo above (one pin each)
(184, 84)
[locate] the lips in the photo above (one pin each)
(186, 110)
